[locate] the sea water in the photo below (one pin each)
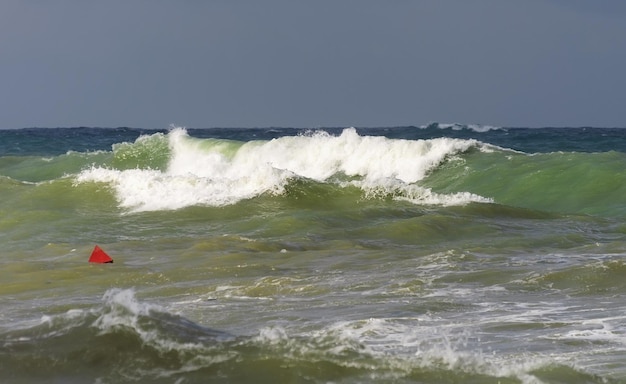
(435, 254)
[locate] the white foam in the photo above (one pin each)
(272, 335)
(419, 195)
(402, 345)
(459, 127)
(407, 343)
(121, 310)
(598, 330)
(203, 173)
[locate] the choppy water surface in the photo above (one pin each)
(431, 254)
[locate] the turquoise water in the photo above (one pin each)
(411, 254)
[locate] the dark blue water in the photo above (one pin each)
(55, 141)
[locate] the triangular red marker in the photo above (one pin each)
(99, 256)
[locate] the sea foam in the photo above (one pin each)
(214, 173)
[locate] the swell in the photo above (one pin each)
(123, 340)
(57, 141)
(567, 183)
(39, 169)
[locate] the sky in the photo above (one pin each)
(308, 64)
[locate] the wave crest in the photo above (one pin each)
(216, 172)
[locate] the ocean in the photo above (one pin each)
(444, 253)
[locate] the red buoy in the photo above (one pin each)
(99, 256)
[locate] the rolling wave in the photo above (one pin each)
(215, 172)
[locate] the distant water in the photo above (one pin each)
(436, 254)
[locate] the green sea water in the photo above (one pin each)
(439, 254)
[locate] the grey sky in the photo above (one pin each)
(297, 63)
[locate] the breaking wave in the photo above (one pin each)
(214, 172)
